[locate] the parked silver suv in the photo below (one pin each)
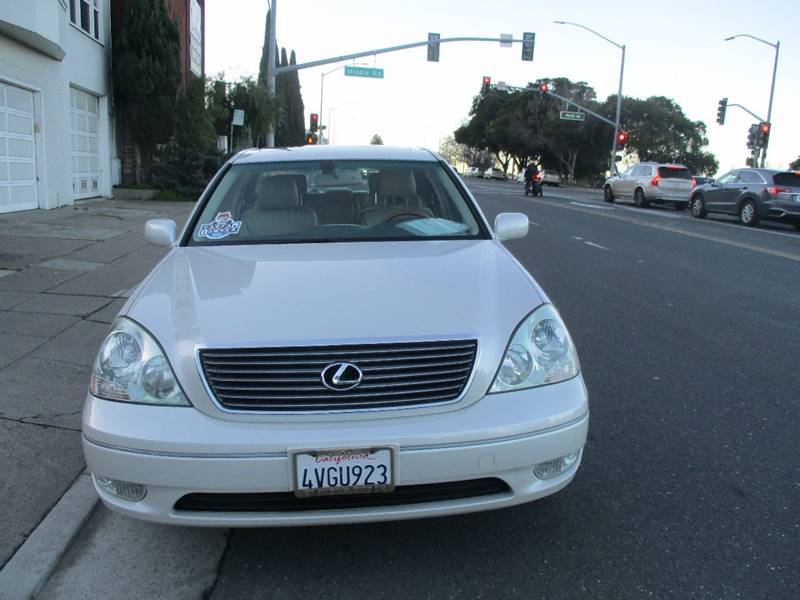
(648, 182)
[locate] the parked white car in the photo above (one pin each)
(550, 178)
(493, 173)
(473, 172)
(309, 353)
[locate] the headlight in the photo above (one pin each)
(540, 352)
(131, 367)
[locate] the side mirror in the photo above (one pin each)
(510, 226)
(161, 232)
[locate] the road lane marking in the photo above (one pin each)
(575, 237)
(593, 245)
(533, 222)
(709, 238)
(593, 206)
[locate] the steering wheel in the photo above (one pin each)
(404, 213)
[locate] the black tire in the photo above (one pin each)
(748, 213)
(608, 194)
(698, 207)
(639, 198)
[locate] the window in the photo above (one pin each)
(729, 177)
(674, 173)
(85, 14)
(790, 179)
(335, 201)
(750, 177)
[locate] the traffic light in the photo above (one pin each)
(622, 138)
(721, 109)
(433, 49)
(749, 162)
(487, 81)
(762, 136)
(311, 139)
(543, 88)
(528, 41)
(314, 122)
(752, 140)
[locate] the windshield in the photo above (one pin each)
(335, 201)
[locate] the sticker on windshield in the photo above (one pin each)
(222, 226)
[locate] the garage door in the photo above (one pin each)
(85, 157)
(17, 150)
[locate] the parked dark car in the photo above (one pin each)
(752, 195)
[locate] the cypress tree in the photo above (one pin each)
(297, 120)
(146, 76)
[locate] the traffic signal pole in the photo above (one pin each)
(273, 71)
(613, 166)
(271, 56)
(777, 47)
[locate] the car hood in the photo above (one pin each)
(333, 293)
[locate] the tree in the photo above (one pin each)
(189, 161)
(259, 111)
(376, 140)
(296, 122)
(795, 165)
(282, 107)
(262, 65)
(218, 104)
(146, 76)
(661, 132)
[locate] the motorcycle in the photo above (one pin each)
(534, 186)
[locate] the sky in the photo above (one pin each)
(674, 50)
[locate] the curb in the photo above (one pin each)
(32, 564)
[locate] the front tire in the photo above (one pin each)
(699, 207)
(748, 214)
(639, 198)
(608, 194)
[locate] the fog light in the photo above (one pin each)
(551, 468)
(122, 489)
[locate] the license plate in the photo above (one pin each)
(348, 471)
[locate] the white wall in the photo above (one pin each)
(86, 66)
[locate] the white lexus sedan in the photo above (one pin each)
(337, 335)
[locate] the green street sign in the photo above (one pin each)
(351, 71)
(568, 115)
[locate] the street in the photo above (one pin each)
(689, 487)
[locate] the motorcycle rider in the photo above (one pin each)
(531, 183)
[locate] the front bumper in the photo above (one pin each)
(489, 439)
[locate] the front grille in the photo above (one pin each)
(288, 502)
(290, 379)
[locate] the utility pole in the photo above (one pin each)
(271, 56)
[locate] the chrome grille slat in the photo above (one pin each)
(340, 352)
(290, 379)
(363, 386)
(333, 358)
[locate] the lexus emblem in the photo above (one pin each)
(341, 376)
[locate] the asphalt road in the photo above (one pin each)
(689, 338)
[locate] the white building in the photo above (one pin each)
(56, 126)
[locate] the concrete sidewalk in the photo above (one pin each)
(64, 275)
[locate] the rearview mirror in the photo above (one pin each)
(161, 232)
(510, 226)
